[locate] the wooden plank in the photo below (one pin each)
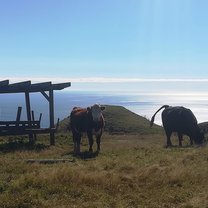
(36, 122)
(26, 86)
(16, 129)
(49, 161)
(24, 130)
(38, 87)
(19, 86)
(41, 85)
(4, 83)
(12, 129)
(45, 95)
(60, 86)
(16, 87)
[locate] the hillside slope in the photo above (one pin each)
(119, 120)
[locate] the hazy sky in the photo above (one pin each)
(108, 38)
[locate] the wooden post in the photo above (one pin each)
(33, 115)
(27, 99)
(51, 114)
(19, 110)
(40, 117)
(19, 113)
(33, 118)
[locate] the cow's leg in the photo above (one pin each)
(98, 136)
(75, 147)
(98, 142)
(76, 141)
(191, 141)
(90, 139)
(78, 144)
(168, 134)
(180, 137)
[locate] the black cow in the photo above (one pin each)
(89, 120)
(182, 121)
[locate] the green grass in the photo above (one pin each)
(130, 171)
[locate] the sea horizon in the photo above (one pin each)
(142, 103)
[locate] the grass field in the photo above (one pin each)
(130, 171)
(133, 169)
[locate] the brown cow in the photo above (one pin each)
(89, 120)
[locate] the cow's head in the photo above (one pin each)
(96, 111)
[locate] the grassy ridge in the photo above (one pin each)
(119, 120)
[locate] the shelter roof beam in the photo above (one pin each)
(4, 83)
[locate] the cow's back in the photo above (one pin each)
(80, 119)
(179, 119)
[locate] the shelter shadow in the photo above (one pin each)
(13, 146)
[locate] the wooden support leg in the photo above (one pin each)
(50, 99)
(27, 99)
(19, 113)
(33, 118)
(51, 107)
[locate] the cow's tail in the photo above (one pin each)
(153, 117)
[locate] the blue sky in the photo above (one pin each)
(65, 39)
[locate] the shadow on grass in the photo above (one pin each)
(84, 155)
(13, 146)
(188, 146)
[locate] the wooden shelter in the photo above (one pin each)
(31, 126)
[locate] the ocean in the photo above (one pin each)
(144, 104)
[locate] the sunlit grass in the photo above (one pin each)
(130, 171)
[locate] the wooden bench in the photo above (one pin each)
(17, 127)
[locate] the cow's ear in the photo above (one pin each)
(102, 108)
(88, 108)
